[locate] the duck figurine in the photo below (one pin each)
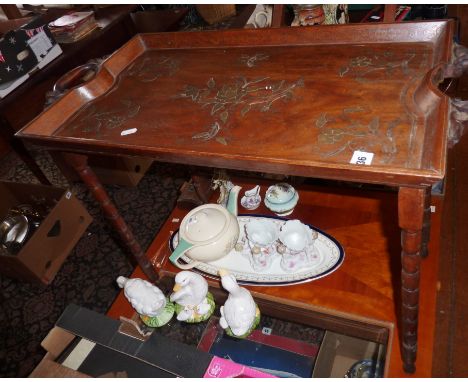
(240, 314)
(193, 302)
(148, 300)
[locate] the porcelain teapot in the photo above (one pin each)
(208, 232)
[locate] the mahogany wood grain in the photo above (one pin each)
(459, 261)
(279, 16)
(335, 108)
(411, 210)
(451, 338)
(360, 296)
(389, 13)
(426, 229)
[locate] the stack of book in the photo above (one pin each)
(73, 27)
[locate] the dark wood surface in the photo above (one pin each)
(335, 108)
(451, 341)
(411, 210)
(363, 291)
(158, 21)
(250, 100)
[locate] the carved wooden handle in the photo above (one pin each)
(459, 108)
(73, 78)
(76, 77)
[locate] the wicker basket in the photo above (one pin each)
(214, 13)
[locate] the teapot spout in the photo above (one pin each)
(232, 200)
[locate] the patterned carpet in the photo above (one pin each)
(87, 278)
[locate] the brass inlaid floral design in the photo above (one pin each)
(251, 61)
(94, 120)
(245, 94)
(214, 130)
(100, 119)
(373, 67)
(350, 131)
(151, 68)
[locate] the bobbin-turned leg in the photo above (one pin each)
(411, 203)
(426, 230)
(80, 164)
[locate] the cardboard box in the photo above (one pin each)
(23, 52)
(338, 353)
(44, 252)
(92, 344)
(124, 171)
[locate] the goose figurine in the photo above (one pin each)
(240, 314)
(193, 302)
(154, 308)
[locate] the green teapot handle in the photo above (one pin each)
(181, 248)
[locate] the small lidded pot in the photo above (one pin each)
(281, 198)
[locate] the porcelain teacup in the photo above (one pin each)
(262, 236)
(297, 245)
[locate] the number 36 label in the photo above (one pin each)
(361, 157)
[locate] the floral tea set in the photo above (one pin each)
(211, 231)
(293, 241)
(280, 198)
(192, 302)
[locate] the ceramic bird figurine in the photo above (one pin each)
(154, 308)
(240, 314)
(193, 302)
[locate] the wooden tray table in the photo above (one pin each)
(356, 103)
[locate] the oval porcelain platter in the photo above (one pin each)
(327, 258)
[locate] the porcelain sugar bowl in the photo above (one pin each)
(281, 198)
(208, 232)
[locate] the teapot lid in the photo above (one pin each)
(205, 223)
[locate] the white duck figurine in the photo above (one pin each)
(148, 301)
(193, 301)
(240, 314)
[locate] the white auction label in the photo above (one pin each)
(129, 131)
(361, 157)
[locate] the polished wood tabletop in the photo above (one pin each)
(279, 101)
